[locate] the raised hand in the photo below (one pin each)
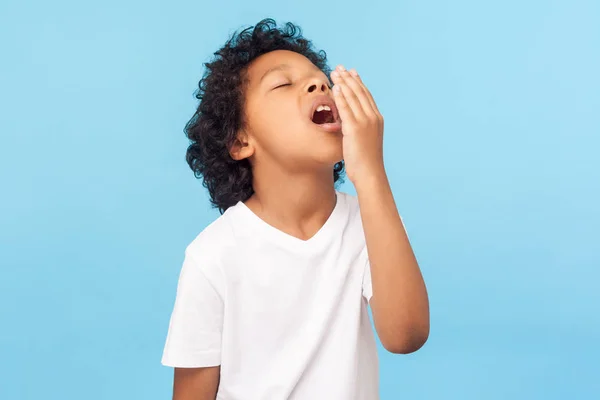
(362, 125)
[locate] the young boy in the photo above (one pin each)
(272, 298)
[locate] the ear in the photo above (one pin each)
(242, 147)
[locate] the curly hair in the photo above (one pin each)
(213, 128)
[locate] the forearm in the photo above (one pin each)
(399, 303)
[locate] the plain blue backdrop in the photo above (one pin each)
(492, 144)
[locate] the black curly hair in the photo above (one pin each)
(213, 128)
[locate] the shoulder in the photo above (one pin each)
(350, 200)
(351, 206)
(208, 249)
(212, 240)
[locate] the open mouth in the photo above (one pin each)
(323, 115)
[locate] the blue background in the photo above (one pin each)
(492, 147)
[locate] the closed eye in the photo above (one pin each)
(280, 86)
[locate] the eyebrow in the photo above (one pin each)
(279, 67)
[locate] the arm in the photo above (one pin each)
(196, 383)
(399, 302)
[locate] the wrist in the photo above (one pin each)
(371, 179)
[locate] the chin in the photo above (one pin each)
(324, 146)
(329, 155)
(333, 148)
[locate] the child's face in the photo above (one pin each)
(282, 95)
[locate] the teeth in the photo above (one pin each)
(321, 108)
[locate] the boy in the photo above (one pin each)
(272, 298)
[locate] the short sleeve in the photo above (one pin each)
(195, 327)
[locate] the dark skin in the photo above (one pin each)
(196, 383)
(293, 159)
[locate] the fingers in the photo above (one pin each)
(349, 94)
(352, 91)
(367, 92)
(356, 93)
(344, 109)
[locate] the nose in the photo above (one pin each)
(317, 85)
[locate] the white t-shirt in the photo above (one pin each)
(283, 317)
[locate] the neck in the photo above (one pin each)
(299, 203)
